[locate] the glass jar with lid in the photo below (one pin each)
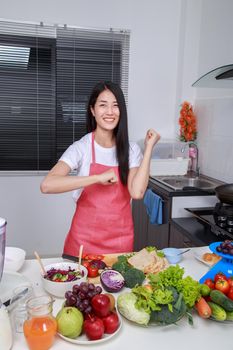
(40, 327)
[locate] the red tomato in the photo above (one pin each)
(85, 263)
(209, 282)
(230, 281)
(93, 257)
(92, 271)
(230, 293)
(222, 285)
(99, 257)
(220, 276)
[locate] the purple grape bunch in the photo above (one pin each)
(225, 247)
(80, 296)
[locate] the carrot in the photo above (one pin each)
(203, 308)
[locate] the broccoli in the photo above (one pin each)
(133, 277)
(120, 266)
(122, 259)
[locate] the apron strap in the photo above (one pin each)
(93, 147)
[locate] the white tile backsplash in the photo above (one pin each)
(215, 137)
(179, 203)
(222, 118)
(203, 109)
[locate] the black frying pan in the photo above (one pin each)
(225, 193)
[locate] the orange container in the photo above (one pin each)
(41, 326)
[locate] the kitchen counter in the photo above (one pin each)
(199, 234)
(211, 334)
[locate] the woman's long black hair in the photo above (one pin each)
(121, 130)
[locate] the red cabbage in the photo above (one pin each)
(62, 275)
(112, 281)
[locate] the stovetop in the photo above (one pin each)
(219, 219)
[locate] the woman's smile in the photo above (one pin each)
(109, 119)
(106, 111)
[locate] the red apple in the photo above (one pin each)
(101, 305)
(111, 323)
(93, 328)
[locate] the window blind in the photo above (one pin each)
(46, 76)
(27, 108)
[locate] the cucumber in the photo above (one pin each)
(229, 315)
(221, 299)
(218, 313)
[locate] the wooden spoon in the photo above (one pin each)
(80, 256)
(40, 262)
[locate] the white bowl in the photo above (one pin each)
(173, 255)
(14, 259)
(58, 289)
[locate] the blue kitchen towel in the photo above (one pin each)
(154, 207)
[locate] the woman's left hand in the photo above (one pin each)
(152, 137)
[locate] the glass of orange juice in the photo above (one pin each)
(40, 327)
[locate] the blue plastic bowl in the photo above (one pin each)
(172, 255)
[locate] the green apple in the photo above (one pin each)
(69, 322)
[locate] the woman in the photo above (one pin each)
(110, 170)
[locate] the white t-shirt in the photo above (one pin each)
(78, 157)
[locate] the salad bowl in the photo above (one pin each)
(61, 277)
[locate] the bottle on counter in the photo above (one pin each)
(40, 327)
(6, 338)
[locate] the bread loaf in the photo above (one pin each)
(211, 258)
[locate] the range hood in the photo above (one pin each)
(221, 77)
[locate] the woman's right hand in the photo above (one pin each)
(152, 137)
(108, 177)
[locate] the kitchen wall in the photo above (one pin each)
(37, 221)
(213, 106)
(34, 221)
(215, 120)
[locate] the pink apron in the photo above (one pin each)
(103, 219)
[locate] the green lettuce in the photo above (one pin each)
(126, 306)
(173, 277)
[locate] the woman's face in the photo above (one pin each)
(106, 111)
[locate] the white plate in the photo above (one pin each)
(10, 280)
(198, 254)
(82, 339)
